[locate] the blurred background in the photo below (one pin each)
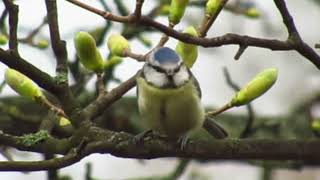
(298, 79)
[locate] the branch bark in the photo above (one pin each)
(59, 47)
(122, 144)
(13, 11)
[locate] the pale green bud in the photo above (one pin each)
(252, 13)
(164, 9)
(112, 61)
(117, 45)
(188, 52)
(177, 9)
(212, 6)
(3, 39)
(22, 84)
(42, 44)
(315, 125)
(256, 87)
(87, 52)
(64, 121)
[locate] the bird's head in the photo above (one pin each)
(165, 69)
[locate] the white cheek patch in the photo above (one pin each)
(181, 77)
(156, 78)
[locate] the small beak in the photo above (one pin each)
(170, 72)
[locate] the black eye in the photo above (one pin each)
(177, 69)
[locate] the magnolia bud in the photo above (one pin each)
(42, 44)
(112, 61)
(256, 87)
(87, 51)
(177, 9)
(252, 13)
(22, 84)
(212, 6)
(164, 9)
(117, 45)
(3, 39)
(64, 121)
(188, 52)
(315, 125)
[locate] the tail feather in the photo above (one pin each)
(214, 129)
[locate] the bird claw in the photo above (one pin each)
(183, 141)
(138, 139)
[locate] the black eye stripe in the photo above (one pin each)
(177, 69)
(160, 70)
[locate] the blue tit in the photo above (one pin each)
(169, 96)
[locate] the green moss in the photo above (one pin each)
(32, 139)
(61, 78)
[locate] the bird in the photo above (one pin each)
(169, 97)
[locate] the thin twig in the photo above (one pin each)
(104, 14)
(65, 95)
(54, 163)
(52, 174)
(288, 21)
(52, 107)
(100, 84)
(226, 39)
(58, 46)
(242, 48)
(137, 11)
(209, 20)
(34, 32)
(104, 102)
(138, 57)
(219, 111)
(2, 22)
(164, 38)
(48, 122)
(121, 7)
(13, 11)
(248, 128)
(180, 168)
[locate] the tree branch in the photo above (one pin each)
(13, 11)
(226, 39)
(294, 36)
(51, 164)
(59, 47)
(288, 20)
(137, 11)
(209, 20)
(248, 128)
(3, 16)
(96, 107)
(50, 145)
(123, 145)
(14, 61)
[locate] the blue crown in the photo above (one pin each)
(166, 55)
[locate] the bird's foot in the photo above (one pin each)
(183, 141)
(138, 139)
